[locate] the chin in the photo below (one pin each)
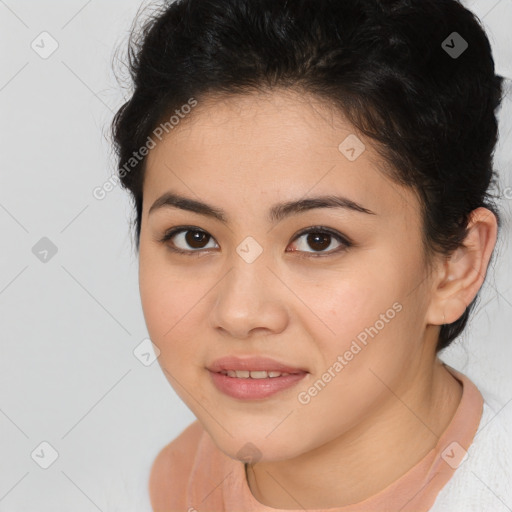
(253, 448)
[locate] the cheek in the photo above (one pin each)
(175, 307)
(363, 320)
(167, 302)
(347, 306)
(156, 302)
(367, 337)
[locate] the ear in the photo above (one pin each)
(463, 273)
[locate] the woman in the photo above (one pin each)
(314, 221)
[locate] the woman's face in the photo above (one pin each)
(353, 317)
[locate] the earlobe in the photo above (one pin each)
(465, 270)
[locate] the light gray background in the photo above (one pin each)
(70, 325)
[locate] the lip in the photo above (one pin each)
(252, 363)
(253, 389)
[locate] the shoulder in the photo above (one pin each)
(171, 470)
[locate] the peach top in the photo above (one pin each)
(199, 477)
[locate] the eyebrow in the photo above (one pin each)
(276, 213)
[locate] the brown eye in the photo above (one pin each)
(319, 240)
(187, 240)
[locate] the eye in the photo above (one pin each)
(187, 237)
(320, 239)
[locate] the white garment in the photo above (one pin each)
(483, 482)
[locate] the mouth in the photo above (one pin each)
(255, 374)
(253, 378)
(252, 367)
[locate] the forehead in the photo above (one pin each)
(279, 145)
(278, 120)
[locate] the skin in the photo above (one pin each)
(386, 409)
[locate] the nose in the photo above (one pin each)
(250, 299)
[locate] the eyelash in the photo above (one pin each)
(301, 254)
